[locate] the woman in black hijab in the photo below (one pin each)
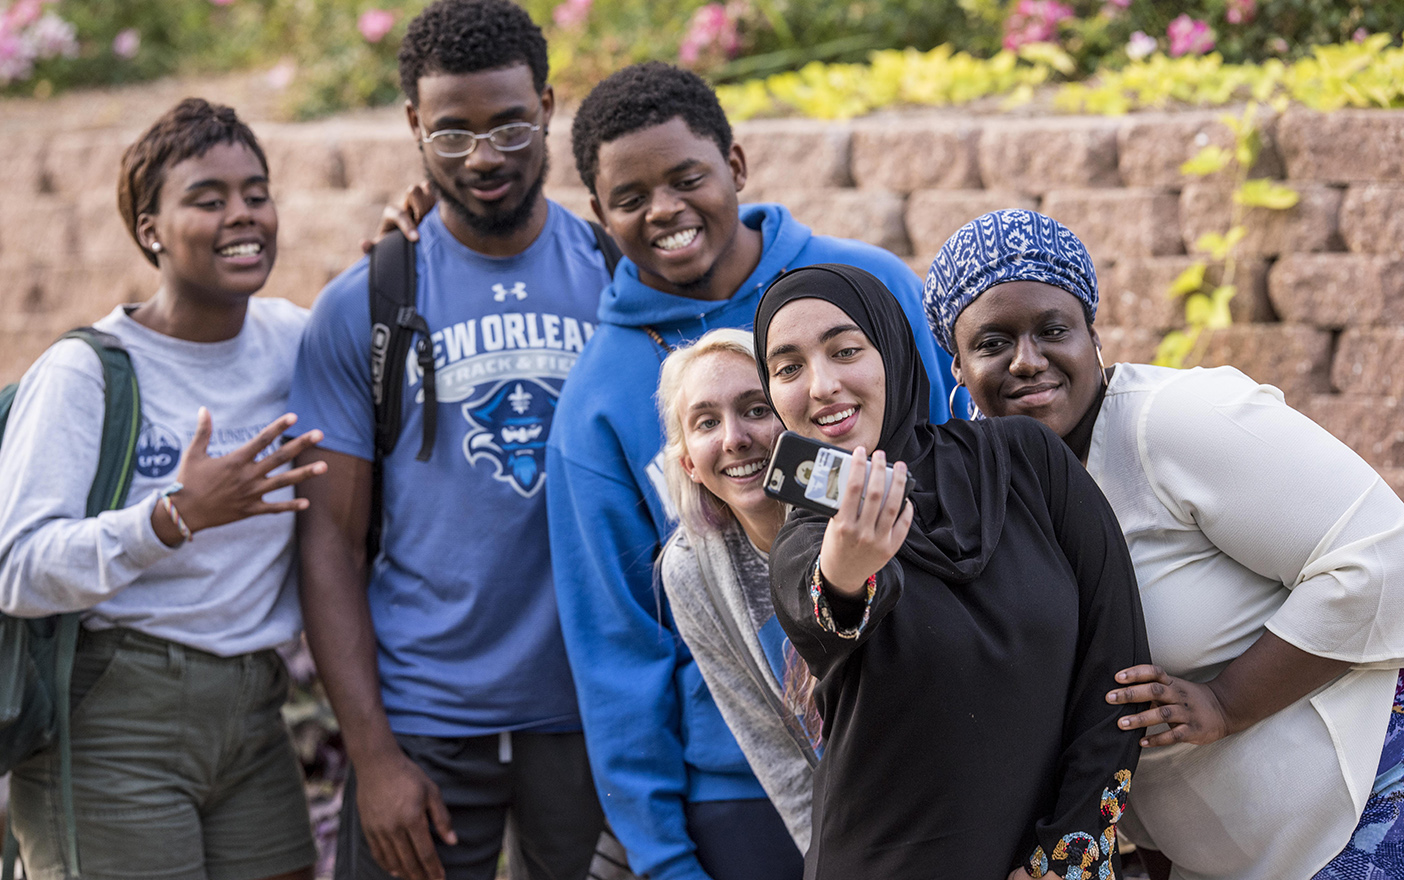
(963, 643)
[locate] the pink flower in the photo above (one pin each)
(50, 37)
(22, 13)
(571, 14)
(1189, 36)
(1140, 45)
(280, 76)
(712, 32)
(374, 24)
(126, 43)
(16, 61)
(1034, 21)
(1241, 11)
(1360, 35)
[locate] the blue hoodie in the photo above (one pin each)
(656, 740)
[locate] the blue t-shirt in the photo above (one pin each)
(462, 596)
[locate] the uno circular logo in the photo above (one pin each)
(158, 450)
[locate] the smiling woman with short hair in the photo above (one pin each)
(180, 754)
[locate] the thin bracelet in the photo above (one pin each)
(823, 614)
(166, 493)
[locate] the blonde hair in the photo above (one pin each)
(699, 510)
(702, 512)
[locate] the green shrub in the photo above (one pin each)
(334, 65)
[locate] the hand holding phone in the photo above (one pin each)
(871, 523)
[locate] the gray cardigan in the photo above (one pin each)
(718, 625)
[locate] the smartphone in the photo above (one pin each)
(812, 474)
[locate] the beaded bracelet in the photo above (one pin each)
(169, 505)
(824, 615)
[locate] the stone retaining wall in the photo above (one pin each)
(1321, 305)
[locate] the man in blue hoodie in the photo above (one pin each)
(655, 148)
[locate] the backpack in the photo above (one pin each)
(394, 325)
(36, 654)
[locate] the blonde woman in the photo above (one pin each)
(716, 568)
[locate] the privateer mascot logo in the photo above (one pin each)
(510, 425)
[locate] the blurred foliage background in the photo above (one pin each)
(331, 55)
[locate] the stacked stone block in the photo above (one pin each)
(1320, 309)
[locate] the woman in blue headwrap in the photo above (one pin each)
(1270, 561)
(962, 642)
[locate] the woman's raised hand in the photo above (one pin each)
(1192, 710)
(867, 531)
(222, 490)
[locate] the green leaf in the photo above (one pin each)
(1263, 193)
(1174, 349)
(1188, 281)
(1213, 244)
(1198, 309)
(1220, 316)
(1246, 150)
(1207, 161)
(1049, 54)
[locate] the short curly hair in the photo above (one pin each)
(188, 130)
(465, 36)
(642, 96)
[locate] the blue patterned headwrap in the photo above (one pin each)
(1005, 246)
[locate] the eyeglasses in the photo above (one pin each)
(453, 143)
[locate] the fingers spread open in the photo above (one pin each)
(250, 450)
(288, 451)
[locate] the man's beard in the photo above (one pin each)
(493, 225)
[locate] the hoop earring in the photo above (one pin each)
(972, 411)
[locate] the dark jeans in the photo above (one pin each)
(743, 840)
(545, 785)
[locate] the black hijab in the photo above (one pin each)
(961, 470)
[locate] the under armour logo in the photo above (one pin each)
(500, 292)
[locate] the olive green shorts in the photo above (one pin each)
(182, 768)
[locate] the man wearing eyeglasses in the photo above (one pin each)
(443, 656)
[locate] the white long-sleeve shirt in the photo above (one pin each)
(1241, 515)
(230, 591)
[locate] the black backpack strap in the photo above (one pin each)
(607, 247)
(392, 294)
(394, 324)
